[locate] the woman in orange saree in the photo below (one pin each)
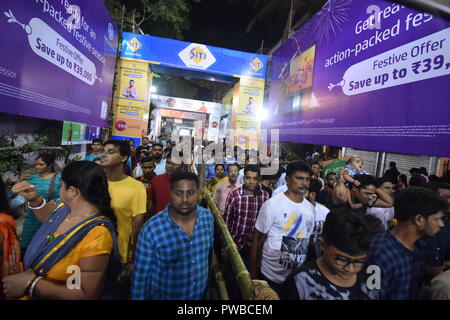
(9, 245)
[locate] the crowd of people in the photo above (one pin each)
(127, 223)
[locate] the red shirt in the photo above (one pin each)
(160, 186)
(148, 187)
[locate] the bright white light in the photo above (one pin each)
(154, 89)
(263, 114)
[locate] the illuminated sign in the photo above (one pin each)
(197, 56)
(134, 45)
(256, 64)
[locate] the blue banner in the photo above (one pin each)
(193, 56)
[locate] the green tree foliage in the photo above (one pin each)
(46, 139)
(164, 18)
(11, 156)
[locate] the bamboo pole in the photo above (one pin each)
(242, 275)
(220, 281)
(201, 175)
(263, 291)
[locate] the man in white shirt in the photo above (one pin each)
(240, 178)
(316, 155)
(281, 189)
(283, 229)
(160, 163)
(384, 214)
(281, 181)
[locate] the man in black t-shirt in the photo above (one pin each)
(339, 274)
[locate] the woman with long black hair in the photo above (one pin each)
(74, 255)
(47, 183)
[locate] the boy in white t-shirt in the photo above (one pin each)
(320, 214)
(283, 229)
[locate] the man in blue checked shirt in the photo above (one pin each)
(398, 253)
(173, 253)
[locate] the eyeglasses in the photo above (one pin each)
(344, 262)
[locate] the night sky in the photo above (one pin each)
(218, 23)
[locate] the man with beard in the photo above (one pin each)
(160, 186)
(325, 196)
(224, 188)
(283, 229)
(174, 249)
(157, 154)
(241, 209)
(148, 166)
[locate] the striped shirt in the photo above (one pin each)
(241, 210)
(169, 265)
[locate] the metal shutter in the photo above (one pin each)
(369, 157)
(406, 162)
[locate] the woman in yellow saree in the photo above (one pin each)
(74, 255)
(218, 178)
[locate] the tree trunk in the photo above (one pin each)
(288, 26)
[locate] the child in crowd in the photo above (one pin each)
(353, 166)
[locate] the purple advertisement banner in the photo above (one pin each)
(371, 75)
(57, 59)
